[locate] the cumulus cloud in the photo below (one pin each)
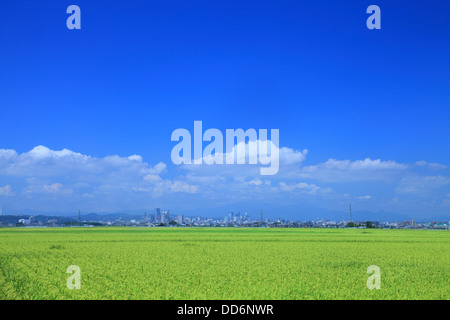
(242, 151)
(50, 173)
(248, 155)
(6, 191)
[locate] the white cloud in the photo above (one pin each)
(47, 173)
(67, 179)
(287, 156)
(308, 188)
(291, 156)
(255, 182)
(55, 188)
(432, 165)
(6, 191)
(421, 184)
(347, 170)
(437, 166)
(357, 165)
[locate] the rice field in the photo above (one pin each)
(223, 263)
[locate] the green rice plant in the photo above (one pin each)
(223, 263)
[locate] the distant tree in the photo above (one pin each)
(173, 223)
(72, 223)
(369, 225)
(19, 224)
(351, 225)
(95, 223)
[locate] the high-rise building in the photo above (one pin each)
(180, 219)
(165, 217)
(157, 215)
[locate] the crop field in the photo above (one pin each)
(223, 263)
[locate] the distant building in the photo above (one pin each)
(25, 222)
(166, 216)
(157, 215)
(180, 219)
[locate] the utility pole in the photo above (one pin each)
(261, 216)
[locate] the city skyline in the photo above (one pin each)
(159, 218)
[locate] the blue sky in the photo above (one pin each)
(371, 107)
